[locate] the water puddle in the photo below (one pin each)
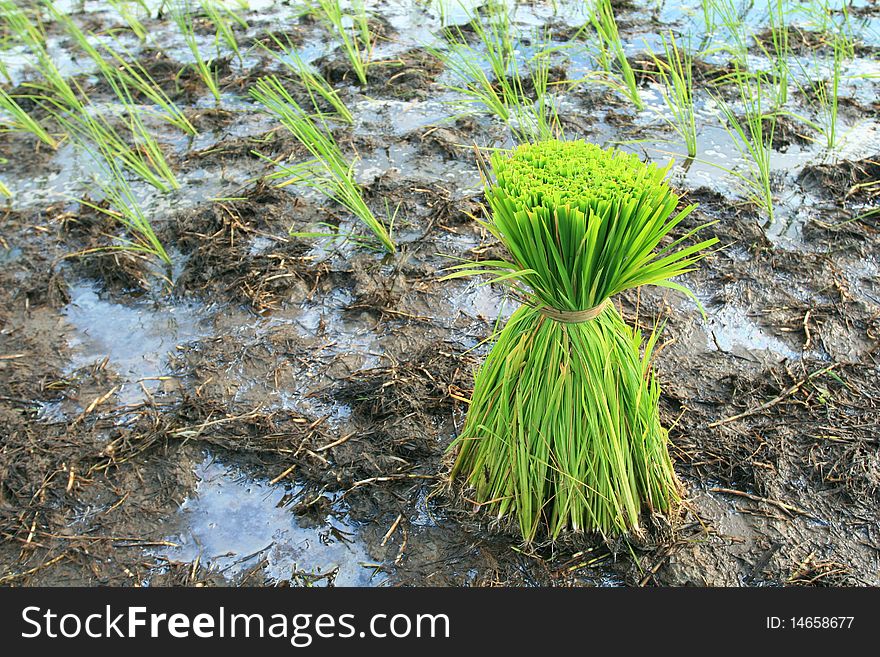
(233, 522)
(136, 337)
(401, 117)
(731, 330)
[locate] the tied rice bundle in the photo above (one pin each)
(563, 428)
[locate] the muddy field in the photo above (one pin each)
(280, 414)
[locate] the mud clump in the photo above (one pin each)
(846, 181)
(646, 70)
(804, 42)
(408, 76)
(787, 132)
(219, 241)
(402, 413)
(277, 141)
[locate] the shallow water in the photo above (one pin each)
(731, 330)
(137, 337)
(233, 522)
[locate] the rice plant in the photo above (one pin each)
(91, 129)
(781, 51)
(328, 172)
(222, 18)
(753, 137)
(136, 78)
(33, 37)
(20, 121)
(832, 21)
(146, 149)
(708, 9)
(182, 14)
(563, 429)
(4, 190)
(827, 95)
(539, 119)
(124, 208)
(68, 104)
(315, 83)
(4, 71)
(500, 88)
(731, 15)
(822, 92)
(128, 12)
(357, 39)
(676, 73)
(610, 53)
(124, 74)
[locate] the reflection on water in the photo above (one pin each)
(234, 522)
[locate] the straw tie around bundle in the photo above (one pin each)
(574, 316)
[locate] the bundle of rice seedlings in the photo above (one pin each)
(563, 428)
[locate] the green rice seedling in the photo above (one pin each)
(822, 93)
(125, 75)
(781, 53)
(4, 71)
(676, 73)
(846, 33)
(610, 52)
(182, 14)
(315, 83)
(17, 25)
(20, 121)
(492, 77)
(80, 38)
(827, 96)
(563, 429)
(125, 209)
(136, 78)
(731, 15)
(4, 190)
(358, 40)
(540, 118)
(708, 8)
(221, 18)
(32, 36)
(328, 172)
(90, 130)
(147, 150)
(497, 35)
(440, 6)
(831, 21)
(527, 119)
(128, 12)
(753, 137)
(146, 160)
(66, 101)
(467, 64)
